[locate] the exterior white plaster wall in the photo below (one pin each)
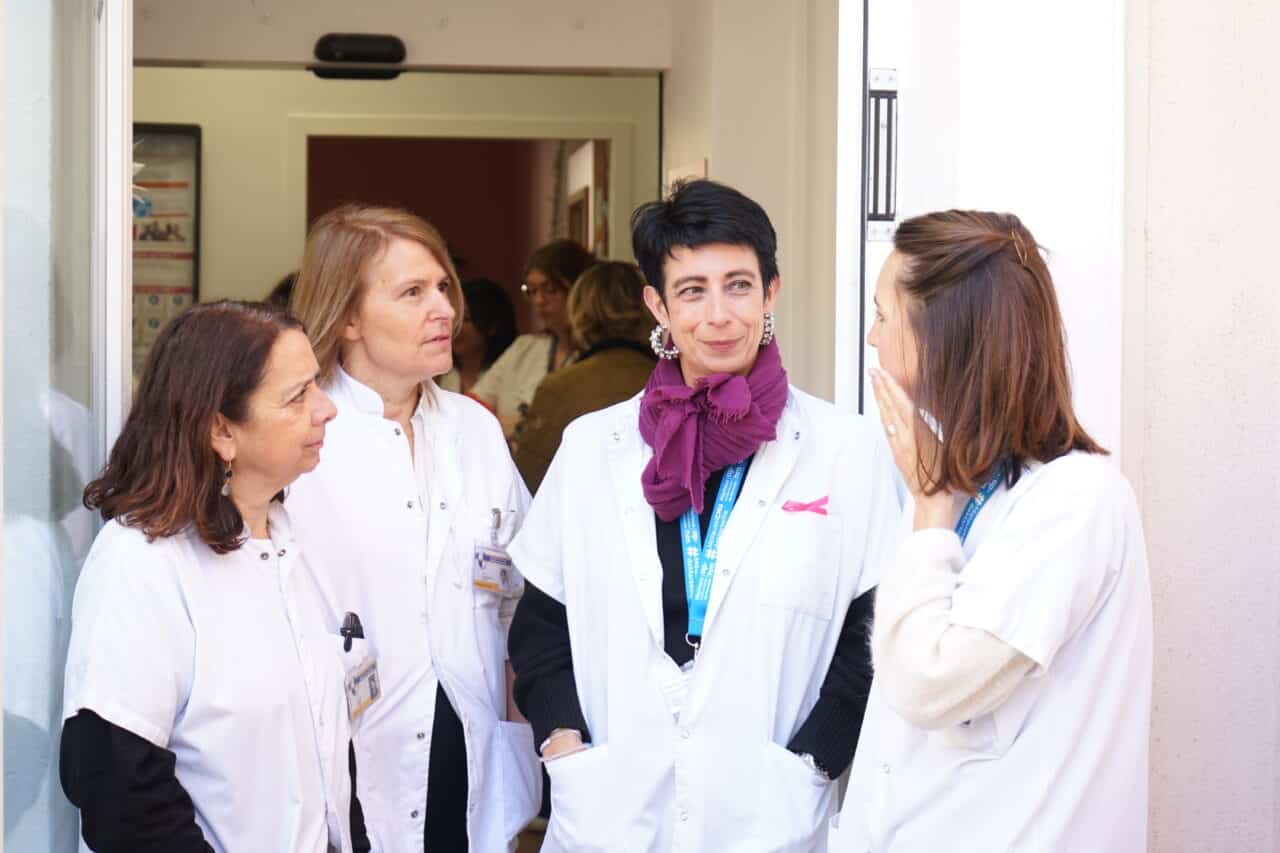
(1202, 409)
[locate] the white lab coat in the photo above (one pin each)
(410, 572)
(233, 663)
(1057, 569)
(708, 771)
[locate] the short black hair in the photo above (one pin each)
(492, 313)
(699, 213)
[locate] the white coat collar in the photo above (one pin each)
(369, 401)
(773, 463)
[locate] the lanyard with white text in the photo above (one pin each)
(699, 558)
(977, 502)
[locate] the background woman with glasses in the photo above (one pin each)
(508, 387)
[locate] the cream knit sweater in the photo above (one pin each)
(932, 672)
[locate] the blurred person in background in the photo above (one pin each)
(488, 328)
(611, 324)
(507, 388)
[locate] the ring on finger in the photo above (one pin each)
(892, 429)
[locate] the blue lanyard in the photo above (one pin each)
(977, 502)
(699, 559)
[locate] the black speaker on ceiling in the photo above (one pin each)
(356, 47)
(365, 50)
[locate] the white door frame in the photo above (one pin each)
(112, 224)
(851, 98)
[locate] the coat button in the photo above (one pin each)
(422, 735)
(760, 503)
(264, 556)
(409, 504)
(684, 815)
(413, 814)
(397, 430)
(443, 505)
(280, 553)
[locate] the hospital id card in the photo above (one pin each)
(494, 572)
(362, 688)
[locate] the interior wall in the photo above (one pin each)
(605, 35)
(1202, 409)
(479, 193)
(752, 89)
(253, 225)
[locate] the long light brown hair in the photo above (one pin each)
(163, 474)
(341, 246)
(992, 358)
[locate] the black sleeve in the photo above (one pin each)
(538, 646)
(830, 734)
(126, 788)
(359, 833)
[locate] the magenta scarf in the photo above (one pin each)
(696, 431)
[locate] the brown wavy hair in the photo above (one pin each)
(163, 475)
(340, 247)
(992, 363)
(607, 303)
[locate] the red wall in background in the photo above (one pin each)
(477, 192)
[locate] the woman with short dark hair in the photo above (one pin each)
(507, 388)
(204, 699)
(1012, 642)
(691, 645)
(488, 328)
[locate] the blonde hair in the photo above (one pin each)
(607, 302)
(340, 247)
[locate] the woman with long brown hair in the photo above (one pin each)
(1012, 643)
(204, 700)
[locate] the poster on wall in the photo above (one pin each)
(166, 229)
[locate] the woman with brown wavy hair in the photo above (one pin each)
(1012, 643)
(204, 700)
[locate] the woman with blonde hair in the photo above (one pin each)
(410, 515)
(611, 323)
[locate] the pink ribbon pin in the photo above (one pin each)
(819, 506)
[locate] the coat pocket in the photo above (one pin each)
(795, 804)
(582, 807)
(521, 775)
(802, 550)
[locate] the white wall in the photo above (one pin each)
(1202, 409)
(1016, 106)
(442, 34)
(255, 124)
(752, 88)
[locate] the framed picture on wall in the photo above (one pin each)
(166, 229)
(580, 217)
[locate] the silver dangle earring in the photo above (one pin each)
(655, 342)
(226, 483)
(767, 337)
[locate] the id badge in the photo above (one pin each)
(493, 571)
(362, 688)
